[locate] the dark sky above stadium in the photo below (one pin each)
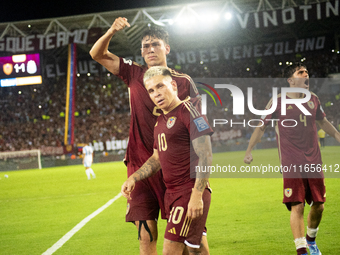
(18, 10)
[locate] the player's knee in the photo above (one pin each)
(146, 239)
(173, 248)
(198, 251)
(147, 246)
(318, 207)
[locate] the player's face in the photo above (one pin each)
(154, 51)
(162, 91)
(300, 78)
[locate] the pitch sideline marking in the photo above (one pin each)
(81, 224)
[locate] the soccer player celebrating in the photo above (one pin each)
(147, 198)
(182, 145)
(298, 147)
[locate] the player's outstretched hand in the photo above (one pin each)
(248, 158)
(195, 206)
(127, 188)
(119, 24)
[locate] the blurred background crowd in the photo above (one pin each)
(34, 116)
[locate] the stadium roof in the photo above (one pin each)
(128, 42)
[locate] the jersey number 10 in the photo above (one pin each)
(162, 145)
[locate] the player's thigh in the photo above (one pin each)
(172, 247)
(147, 230)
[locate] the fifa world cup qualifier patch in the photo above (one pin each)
(201, 124)
(288, 192)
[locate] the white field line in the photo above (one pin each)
(81, 224)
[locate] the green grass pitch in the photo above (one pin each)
(38, 207)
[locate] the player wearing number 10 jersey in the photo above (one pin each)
(182, 142)
(173, 135)
(147, 198)
(299, 151)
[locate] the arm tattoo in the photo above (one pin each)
(202, 147)
(150, 167)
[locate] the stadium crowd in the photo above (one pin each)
(34, 116)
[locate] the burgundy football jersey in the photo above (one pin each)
(173, 137)
(297, 145)
(143, 111)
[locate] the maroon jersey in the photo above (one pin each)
(143, 111)
(173, 137)
(297, 145)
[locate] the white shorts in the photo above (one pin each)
(87, 162)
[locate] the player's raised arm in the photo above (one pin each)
(202, 147)
(99, 51)
(329, 128)
(149, 168)
(254, 139)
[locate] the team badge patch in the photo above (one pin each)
(311, 104)
(127, 208)
(171, 122)
(201, 124)
(288, 192)
(8, 68)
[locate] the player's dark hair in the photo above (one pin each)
(156, 32)
(290, 70)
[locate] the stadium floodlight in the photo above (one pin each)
(187, 21)
(209, 20)
(228, 15)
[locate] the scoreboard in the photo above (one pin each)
(19, 70)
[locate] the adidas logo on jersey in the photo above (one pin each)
(172, 230)
(289, 107)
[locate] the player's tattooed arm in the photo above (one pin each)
(202, 147)
(149, 168)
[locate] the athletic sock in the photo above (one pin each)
(88, 174)
(301, 245)
(91, 171)
(311, 234)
